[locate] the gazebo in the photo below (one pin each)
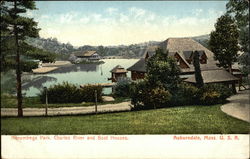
(118, 72)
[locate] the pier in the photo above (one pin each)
(44, 70)
(100, 84)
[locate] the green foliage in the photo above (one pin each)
(214, 93)
(239, 9)
(27, 66)
(122, 87)
(144, 96)
(138, 92)
(158, 97)
(69, 93)
(197, 68)
(186, 94)
(224, 41)
(8, 83)
(36, 53)
(244, 61)
(88, 93)
(163, 70)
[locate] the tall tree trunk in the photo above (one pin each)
(18, 71)
(233, 84)
(197, 69)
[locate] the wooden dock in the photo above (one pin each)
(44, 70)
(100, 84)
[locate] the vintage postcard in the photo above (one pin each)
(125, 79)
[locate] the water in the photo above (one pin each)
(75, 74)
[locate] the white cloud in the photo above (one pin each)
(45, 17)
(132, 25)
(137, 12)
(84, 20)
(68, 17)
(123, 18)
(96, 17)
(50, 32)
(111, 10)
(197, 12)
(215, 13)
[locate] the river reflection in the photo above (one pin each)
(37, 82)
(77, 68)
(76, 74)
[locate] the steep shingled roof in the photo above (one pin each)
(185, 46)
(150, 50)
(139, 66)
(85, 53)
(182, 46)
(119, 69)
(213, 76)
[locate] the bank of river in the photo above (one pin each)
(75, 74)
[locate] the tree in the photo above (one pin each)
(19, 27)
(224, 42)
(239, 9)
(197, 68)
(163, 70)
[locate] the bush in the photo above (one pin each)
(121, 88)
(70, 93)
(158, 97)
(214, 94)
(143, 96)
(186, 94)
(88, 93)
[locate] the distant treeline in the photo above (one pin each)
(128, 51)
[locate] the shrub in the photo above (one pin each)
(143, 96)
(70, 93)
(121, 89)
(185, 94)
(214, 94)
(158, 97)
(88, 93)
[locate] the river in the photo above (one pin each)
(76, 74)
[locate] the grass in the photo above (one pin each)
(177, 120)
(8, 101)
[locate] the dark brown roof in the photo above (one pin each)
(184, 47)
(213, 76)
(118, 69)
(139, 66)
(84, 53)
(150, 50)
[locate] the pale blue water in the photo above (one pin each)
(75, 74)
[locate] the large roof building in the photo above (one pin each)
(182, 49)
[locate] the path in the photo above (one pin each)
(124, 106)
(238, 106)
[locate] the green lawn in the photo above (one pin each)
(178, 120)
(34, 102)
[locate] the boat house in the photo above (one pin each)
(118, 72)
(182, 50)
(86, 56)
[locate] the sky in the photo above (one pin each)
(124, 22)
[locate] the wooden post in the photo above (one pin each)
(96, 101)
(46, 101)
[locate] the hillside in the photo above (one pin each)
(127, 51)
